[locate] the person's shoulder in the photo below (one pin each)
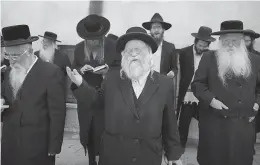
(185, 49)
(47, 67)
(79, 45)
(162, 79)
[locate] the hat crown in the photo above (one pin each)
(50, 35)
(204, 31)
(136, 30)
(112, 36)
(16, 32)
(157, 18)
(231, 25)
(92, 23)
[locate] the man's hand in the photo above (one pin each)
(102, 71)
(74, 76)
(217, 104)
(177, 162)
(256, 108)
(171, 74)
(86, 68)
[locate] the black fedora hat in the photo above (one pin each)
(17, 35)
(93, 27)
(232, 26)
(157, 18)
(251, 33)
(137, 33)
(50, 36)
(112, 36)
(204, 34)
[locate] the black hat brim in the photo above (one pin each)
(227, 31)
(49, 38)
(207, 39)
(165, 25)
(121, 42)
(20, 42)
(84, 34)
(252, 34)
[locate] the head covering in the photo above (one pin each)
(251, 33)
(232, 26)
(93, 27)
(157, 18)
(50, 36)
(17, 35)
(135, 33)
(204, 34)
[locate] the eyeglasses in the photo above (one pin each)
(13, 56)
(228, 42)
(138, 51)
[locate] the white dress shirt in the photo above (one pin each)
(156, 59)
(189, 94)
(138, 85)
(36, 58)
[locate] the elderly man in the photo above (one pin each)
(34, 122)
(250, 36)
(139, 113)
(165, 58)
(190, 57)
(227, 83)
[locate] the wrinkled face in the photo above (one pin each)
(231, 41)
(18, 55)
(136, 59)
(157, 31)
(201, 46)
(47, 43)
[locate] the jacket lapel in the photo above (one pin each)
(128, 95)
(150, 88)
(8, 88)
(163, 55)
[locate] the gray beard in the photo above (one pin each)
(16, 77)
(47, 55)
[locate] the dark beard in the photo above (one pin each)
(250, 48)
(158, 40)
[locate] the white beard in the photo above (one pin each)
(135, 68)
(47, 54)
(17, 76)
(233, 63)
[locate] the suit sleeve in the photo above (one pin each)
(77, 63)
(174, 62)
(170, 134)
(199, 86)
(57, 111)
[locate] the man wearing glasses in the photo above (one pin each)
(227, 83)
(34, 122)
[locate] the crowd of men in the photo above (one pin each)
(125, 94)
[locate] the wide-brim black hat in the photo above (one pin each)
(50, 36)
(93, 27)
(232, 26)
(251, 33)
(135, 33)
(17, 35)
(204, 34)
(157, 18)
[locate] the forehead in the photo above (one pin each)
(14, 49)
(232, 36)
(247, 37)
(202, 43)
(156, 24)
(47, 40)
(134, 44)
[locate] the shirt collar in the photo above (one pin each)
(142, 80)
(36, 58)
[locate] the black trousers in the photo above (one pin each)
(187, 112)
(91, 145)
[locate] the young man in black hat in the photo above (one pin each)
(50, 53)
(165, 58)
(250, 36)
(227, 83)
(190, 57)
(139, 110)
(33, 125)
(95, 50)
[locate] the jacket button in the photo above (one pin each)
(134, 159)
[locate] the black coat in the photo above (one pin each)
(168, 58)
(5, 62)
(34, 123)
(226, 140)
(135, 132)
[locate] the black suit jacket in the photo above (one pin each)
(168, 58)
(186, 59)
(127, 124)
(34, 123)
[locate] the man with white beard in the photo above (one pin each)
(227, 83)
(33, 125)
(139, 111)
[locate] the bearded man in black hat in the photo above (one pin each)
(4, 62)
(33, 125)
(96, 50)
(139, 110)
(227, 83)
(165, 58)
(190, 57)
(250, 36)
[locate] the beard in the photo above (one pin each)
(250, 47)
(233, 63)
(135, 68)
(158, 37)
(16, 77)
(97, 49)
(47, 54)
